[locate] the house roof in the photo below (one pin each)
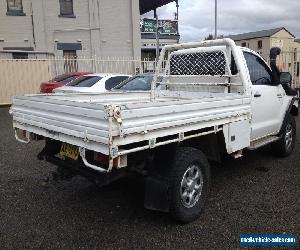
(148, 5)
(257, 34)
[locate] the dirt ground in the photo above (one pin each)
(258, 194)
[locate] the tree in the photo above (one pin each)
(210, 37)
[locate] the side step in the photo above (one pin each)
(262, 142)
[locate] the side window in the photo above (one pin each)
(114, 81)
(258, 70)
(120, 79)
(66, 8)
(233, 67)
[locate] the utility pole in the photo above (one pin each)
(177, 7)
(156, 36)
(216, 19)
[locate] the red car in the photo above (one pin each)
(58, 81)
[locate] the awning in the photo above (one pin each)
(148, 5)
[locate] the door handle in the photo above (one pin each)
(257, 94)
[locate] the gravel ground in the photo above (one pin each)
(257, 194)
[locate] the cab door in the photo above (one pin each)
(267, 98)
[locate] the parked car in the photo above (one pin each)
(93, 83)
(60, 80)
(137, 83)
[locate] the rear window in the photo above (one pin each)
(85, 81)
(69, 79)
(137, 83)
(60, 78)
(201, 63)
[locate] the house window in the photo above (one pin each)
(244, 45)
(66, 8)
(259, 44)
(19, 55)
(14, 8)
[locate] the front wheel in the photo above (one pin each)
(189, 184)
(285, 145)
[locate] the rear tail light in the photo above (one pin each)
(48, 87)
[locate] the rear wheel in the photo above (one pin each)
(189, 184)
(285, 145)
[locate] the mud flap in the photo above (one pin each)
(156, 194)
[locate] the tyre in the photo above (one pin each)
(285, 145)
(189, 184)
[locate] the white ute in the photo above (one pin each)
(216, 98)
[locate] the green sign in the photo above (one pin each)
(148, 26)
(165, 26)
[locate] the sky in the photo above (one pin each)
(196, 17)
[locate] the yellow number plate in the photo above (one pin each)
(69, 151)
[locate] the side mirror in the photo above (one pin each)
(285, 78)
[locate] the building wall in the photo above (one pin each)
(281, 39)
(14, 29)
(297, 47)
(64, 29)
(285, 38)
(119, 33)
(103, 27)
(285, 41)
(288, 60)
(253, 43)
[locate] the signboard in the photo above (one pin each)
(166, 26)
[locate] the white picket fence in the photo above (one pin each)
(60, 65)
(288, 60)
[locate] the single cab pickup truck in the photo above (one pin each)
(215, 99)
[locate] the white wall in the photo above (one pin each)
(14, 29)
(104, 27)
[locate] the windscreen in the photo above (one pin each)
(114, 81)
(85, 81)
(142, 83)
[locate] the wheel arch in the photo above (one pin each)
(294, 111)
